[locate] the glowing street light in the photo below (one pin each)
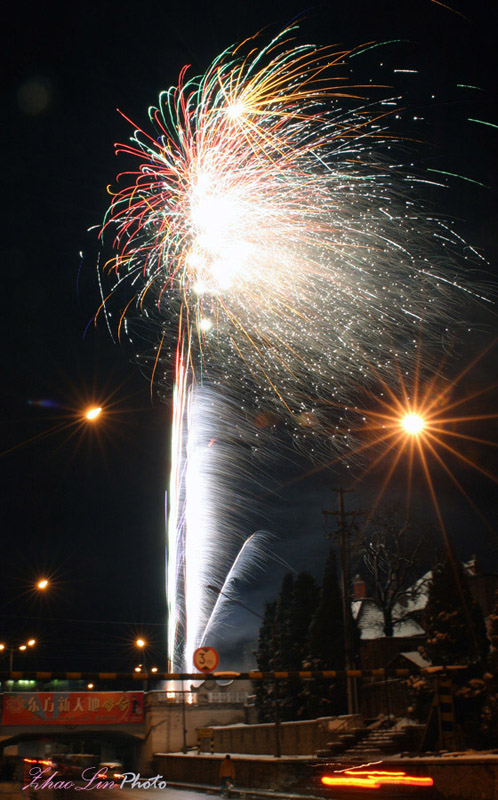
(142, 644)
(22, 647)
(93, 413)
(413, 423)
(42, 584)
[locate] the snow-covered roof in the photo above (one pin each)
(415, 658)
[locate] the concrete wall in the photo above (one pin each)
(296, 738)
(164, 726)
(281, 773)
(457, 778)
(11, 791)
(454, 779)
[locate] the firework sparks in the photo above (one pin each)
(273, 238)
(208, 536)
(269, 227)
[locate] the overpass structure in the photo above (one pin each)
(116, 726)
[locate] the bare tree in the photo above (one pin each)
(394, 552)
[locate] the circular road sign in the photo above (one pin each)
(206, 659)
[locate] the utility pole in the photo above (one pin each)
(184, 721)
(343, 530)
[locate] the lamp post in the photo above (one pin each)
(11, 648)
(344, 531)
(276, 713)
(142, 644)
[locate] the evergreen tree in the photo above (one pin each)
(326, 642)
(265, 661)
(284, 645)
(453, 621)
(490, 710)
(305, 598)
(326, 646)
(456, 635)
(283, 633)
(295, 611)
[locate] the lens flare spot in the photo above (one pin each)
(413, 424)
(206, 324)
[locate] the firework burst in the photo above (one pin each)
(269, 227)
(271, 235)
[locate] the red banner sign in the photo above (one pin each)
(72, 708)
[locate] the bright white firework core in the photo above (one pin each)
(205, 324)
(219, 252)
(236, 110)
(413, 424)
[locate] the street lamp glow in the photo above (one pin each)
(138, 669)
(12, 648)
(413, 424)
(140, 643)
(93, 413)
(42, 584)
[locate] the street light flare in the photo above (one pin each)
(93, 413)
(140, 643)
(413, 423)
(420, 425)
(42, 584)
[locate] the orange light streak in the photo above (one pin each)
(375, 779)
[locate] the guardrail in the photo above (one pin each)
(192, 698)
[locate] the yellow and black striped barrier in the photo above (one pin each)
(446, 710)
(235, 676)
(195, 676)
(440, 729)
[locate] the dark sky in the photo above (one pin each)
(86, 506)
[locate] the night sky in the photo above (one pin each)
(85, 506)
